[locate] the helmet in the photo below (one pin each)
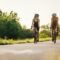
(36, 15)
(54, 14)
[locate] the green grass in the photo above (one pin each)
(20, 41)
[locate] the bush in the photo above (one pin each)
(10, 27)
(45, 34)
(26, 33)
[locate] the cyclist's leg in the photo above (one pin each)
(35, 37)
(55, 36)
(52, 35)
(38, 36)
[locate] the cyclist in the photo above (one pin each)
(35, 26)
(54, 27)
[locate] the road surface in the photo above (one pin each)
(31, 51)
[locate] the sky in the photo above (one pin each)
(27, 8)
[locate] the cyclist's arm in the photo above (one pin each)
(32, 24)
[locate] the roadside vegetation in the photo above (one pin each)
(21, 41)
(12, 32)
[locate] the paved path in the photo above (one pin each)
(31, 51)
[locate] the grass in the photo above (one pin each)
(20, 41)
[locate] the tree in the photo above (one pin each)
(10, 27)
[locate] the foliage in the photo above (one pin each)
(10, 27)
(26, 33)
(45, 33)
